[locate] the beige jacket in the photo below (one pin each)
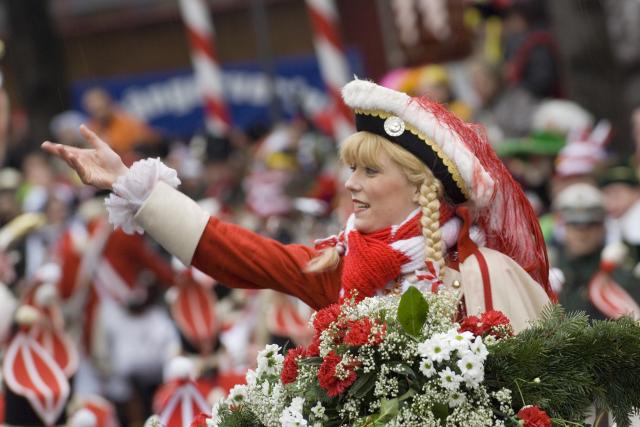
(513, 291)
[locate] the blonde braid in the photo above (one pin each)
(429, 201)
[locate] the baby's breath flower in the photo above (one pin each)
(456, 399)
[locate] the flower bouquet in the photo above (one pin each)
(405, 361)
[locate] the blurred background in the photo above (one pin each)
(241, 97)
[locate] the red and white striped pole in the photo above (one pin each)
(205, 64)
(333, 62)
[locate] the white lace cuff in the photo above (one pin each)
(132, 189)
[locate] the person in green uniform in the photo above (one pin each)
(621, 189)
(577, 251)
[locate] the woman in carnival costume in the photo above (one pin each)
(433, 207)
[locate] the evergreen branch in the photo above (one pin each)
(578, 364)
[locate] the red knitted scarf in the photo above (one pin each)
(371, 263)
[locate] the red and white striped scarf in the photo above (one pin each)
(373, 260)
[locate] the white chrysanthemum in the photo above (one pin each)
(459, 340)
(449, 379)
(297, 404)
(292, 415)
(289, 420)
(238, 393)
(471, 368)
(318, 411)
(437, 348)
(269, 360)
(478, 348)
(456, 399)
(427, 368)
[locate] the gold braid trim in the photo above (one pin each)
(451, 167)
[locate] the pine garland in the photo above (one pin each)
(241, 416)
(564, 364)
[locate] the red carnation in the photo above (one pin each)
(327, 375)
(496, 323)
(470, 324)
(534, 417)
(325, 317)
(494, 318)
(358, 332)
(200, 420)
(314, 348)
(491, 322)
(290, 365)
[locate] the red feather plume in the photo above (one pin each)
(508, 220)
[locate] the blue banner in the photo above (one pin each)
(170, 101)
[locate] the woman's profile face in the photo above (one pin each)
(382, 196)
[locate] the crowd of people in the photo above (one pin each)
(121, 309)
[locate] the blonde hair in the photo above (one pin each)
(364, 149)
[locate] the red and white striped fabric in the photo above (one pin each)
(103, 410)
(333, 62)
(49, 331)
(205, 63)
(431, 275)
(611, 298)
(183, 403)
(59, 346)
(30, 371)
(194, 313)
(111, 285)
(52, 313)
(585, 150)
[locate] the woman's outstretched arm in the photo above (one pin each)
(237, 257)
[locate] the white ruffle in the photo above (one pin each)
(132, 189)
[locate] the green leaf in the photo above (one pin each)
(406, 370)
(410, 393)
(363, 385)
(388, 410)
(366, 422)
(440, 410)
(412, 311)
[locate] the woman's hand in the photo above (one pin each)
(99, 166)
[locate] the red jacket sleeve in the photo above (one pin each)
(240, 258)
